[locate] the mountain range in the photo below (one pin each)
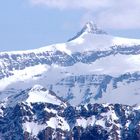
(85, 88)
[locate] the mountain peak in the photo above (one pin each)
(89, 27)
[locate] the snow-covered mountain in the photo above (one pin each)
(34, 95)
(47, 121)
(92, 67)
(72, 91)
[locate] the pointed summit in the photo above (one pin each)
(89, 27)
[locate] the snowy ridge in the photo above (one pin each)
(90, 33)
(40, 94)
(37, 94)
(41, 121)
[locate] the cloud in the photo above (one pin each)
(116, 14)
(122, 15)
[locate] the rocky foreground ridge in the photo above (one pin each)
(57, 120)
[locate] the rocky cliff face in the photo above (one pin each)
(19, 61)
(39, 114)
(44, 121)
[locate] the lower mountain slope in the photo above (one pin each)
(32, 118)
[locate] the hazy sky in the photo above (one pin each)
(28, 24)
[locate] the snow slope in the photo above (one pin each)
(37, 94)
